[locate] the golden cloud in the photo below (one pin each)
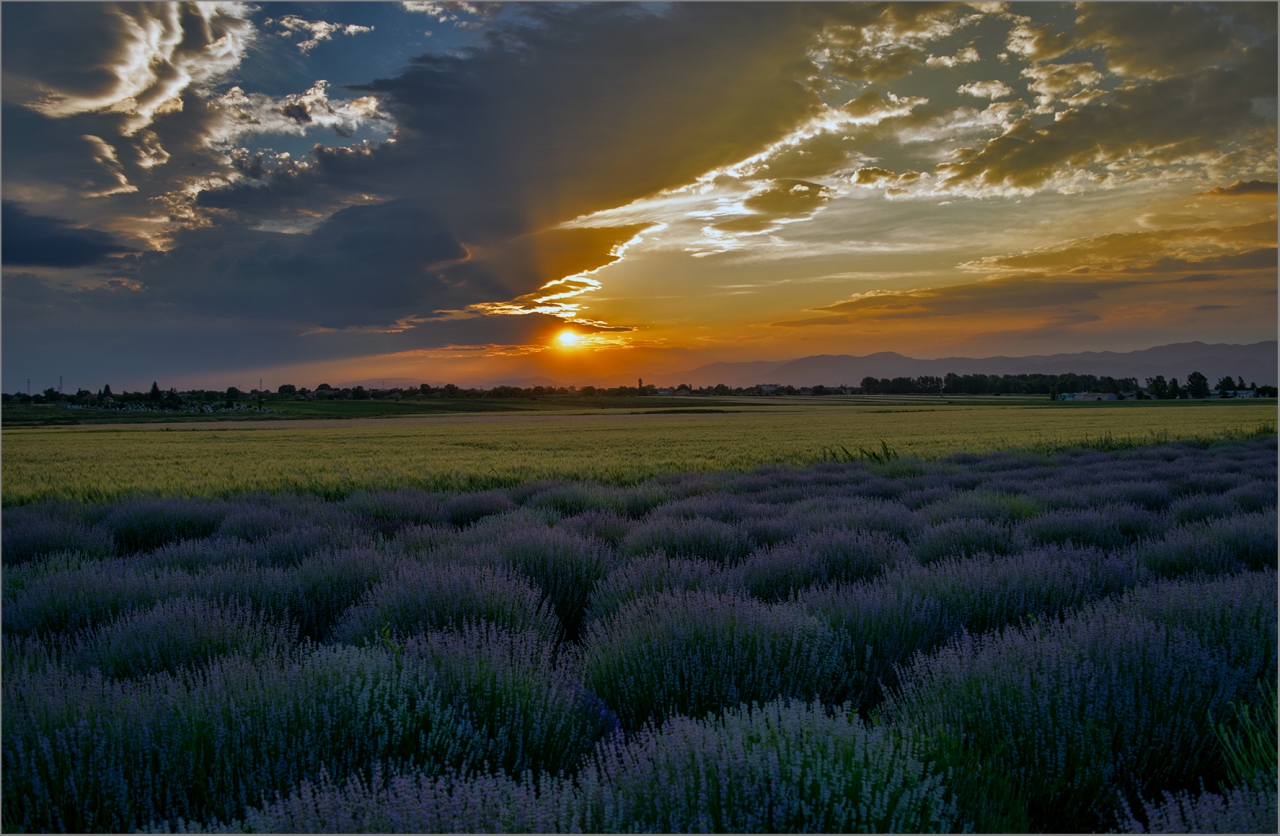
(1127, 252)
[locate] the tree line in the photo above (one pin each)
(1153, 388)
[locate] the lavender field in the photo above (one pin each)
(1011, 642)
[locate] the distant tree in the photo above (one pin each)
(323, 387)
(1175, 391)
(1197, 385)
(287, 389)
(1240, 383)
(588, 391)
(106, 391)
(155, 394)
(1158, 387)
(1225, 384)
(870, 385)
(929, 385)
(359, 393)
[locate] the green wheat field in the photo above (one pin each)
(470, 452)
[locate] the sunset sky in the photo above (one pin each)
(206, 194)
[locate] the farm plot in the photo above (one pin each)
(472, 453)
(1009, 642)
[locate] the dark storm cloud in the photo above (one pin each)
(39, 241)
(111, 102)
(365, 265)
(565, 112)
(1259, 259)
(1260, 188)
(1202, 278)
(1159, 40)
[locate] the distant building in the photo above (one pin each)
(769, 387)
(1231, 393)
(1094, 396)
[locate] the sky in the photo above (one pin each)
(205, 194)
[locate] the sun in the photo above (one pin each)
(568, 339)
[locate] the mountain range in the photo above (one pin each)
(1256, 363)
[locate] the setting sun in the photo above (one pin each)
(568, 339)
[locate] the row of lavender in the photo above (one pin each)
(1018, 642)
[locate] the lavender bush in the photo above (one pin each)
(690, 652)
(1105, 527)
(39, 531)
(565, 567)
(1244, 541)
(997, 507)
(698, 538)
(783, 767)
(881, 626)
(829, 556)
(605, 526)
(87, 754)
(530, 707)
(651, 574)
(398, 507)
(1241, 810)
(866, 514)
(142, 524)
(1082, 712)
(421, 598)
(1235, 615)
(985, 594)
(577, 498)
(465, 509)
(175, 634)
(964, 538)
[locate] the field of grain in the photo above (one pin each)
(472, 452)
(1020, 641)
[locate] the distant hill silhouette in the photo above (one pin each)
(1256, 363)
